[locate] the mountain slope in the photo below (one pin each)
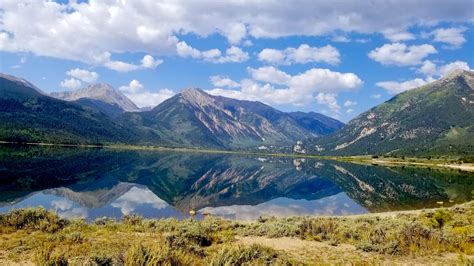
(27, 115)
(197, 119)
(433, 119)
(99, 96)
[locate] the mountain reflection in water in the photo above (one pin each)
(91, 183)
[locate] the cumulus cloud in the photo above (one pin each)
(395, 87)
(273, 86)
(147, 61)
(431, 70)
(83, 75)
(328, 99)
(142, 98)
(232, 55)
(395, 35)
(399, 54)
(303, 54)
(77, 77)
(71, 84)
(454, 36)
(223, 81)
(102, 28)
(150, 62)
(349, 103)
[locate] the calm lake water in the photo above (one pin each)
(92, 183)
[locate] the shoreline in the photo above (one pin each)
(446, 163)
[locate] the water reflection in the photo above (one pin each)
(91, 183)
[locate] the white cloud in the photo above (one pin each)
(133, 87)
(269, 74)
(232, 55)
(235, 32)
(134, 91)
(349, 103)
(303, 54)
(150, 62)
(120, 66)
(99, 28)
(452, 36)
(395, 87)
(431, 70)
(395, 35)
(71, 84)
(312, 86)
(329, 100)
(83, 75)
(349, 111)
(223, 81)
(428, 68)
(448, 68)
(401, 55)
(376, 96)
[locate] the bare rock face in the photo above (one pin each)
(100, 92)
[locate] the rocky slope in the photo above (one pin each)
(195, 118)
(101, 96)
(437, 118)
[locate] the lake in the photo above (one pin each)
(91, 183)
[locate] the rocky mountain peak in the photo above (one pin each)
(99, 91)
(196, 97)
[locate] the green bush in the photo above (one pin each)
(33, 218)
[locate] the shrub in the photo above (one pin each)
(140, 255)
(33, 218)
(440, 218)
(101, 260)
(247, 255)
(46, 256)
(132, 220)
(191, 237)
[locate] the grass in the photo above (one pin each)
(40, 236)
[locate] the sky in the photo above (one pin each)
(339, 58)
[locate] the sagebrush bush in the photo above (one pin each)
(140, 255)
(247, 255)
(33, 218)
(47, 256)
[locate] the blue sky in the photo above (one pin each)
(339, 58)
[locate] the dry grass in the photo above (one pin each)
(39, 236)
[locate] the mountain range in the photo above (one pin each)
(437, 118)
(100, 114)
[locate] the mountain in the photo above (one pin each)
(28, 115)
(100, 96)
(437, 118)
(194, 118)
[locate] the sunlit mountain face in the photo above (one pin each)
(92, 183)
